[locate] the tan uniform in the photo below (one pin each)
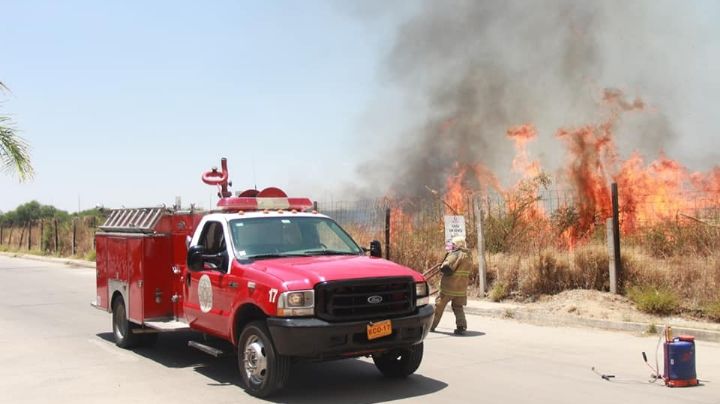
(453, 287)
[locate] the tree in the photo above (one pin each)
(30, 212)
(14, 150)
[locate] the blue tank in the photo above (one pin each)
(680, 360)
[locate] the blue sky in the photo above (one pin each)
(126, 103)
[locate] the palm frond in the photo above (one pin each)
(14, 152)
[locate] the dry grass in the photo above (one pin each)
(16, 239)
(550, 271)
(527, 252)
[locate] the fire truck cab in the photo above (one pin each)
(267, 273)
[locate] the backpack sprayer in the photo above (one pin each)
(679, 360)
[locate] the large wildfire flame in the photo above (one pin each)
(649, 192)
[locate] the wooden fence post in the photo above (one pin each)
(22, 235)
(74, 237)
(42, 229)
(57, 244)
(1, 234)
(387, 233)
(93, 225)
(616, 234)
(29, 240)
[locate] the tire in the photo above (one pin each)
(400, 363)
(122, 328)
(263, 370)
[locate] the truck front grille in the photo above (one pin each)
(365, 299)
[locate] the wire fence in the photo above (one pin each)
(536, 243)
(75, 237)
(544, 244)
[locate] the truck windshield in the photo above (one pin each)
(266, 237)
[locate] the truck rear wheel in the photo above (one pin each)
(263, 370)
(122, 328)
(401, 362)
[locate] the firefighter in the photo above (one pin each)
(455, 270)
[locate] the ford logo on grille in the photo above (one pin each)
(374, 299)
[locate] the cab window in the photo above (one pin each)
(213, 239)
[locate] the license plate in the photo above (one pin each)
(379, 329)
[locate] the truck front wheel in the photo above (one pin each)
(263, 370)
(401, 362)
(122, 328)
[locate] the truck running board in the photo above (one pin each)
(165, 326)
(205, 348)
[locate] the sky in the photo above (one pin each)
(127, 103)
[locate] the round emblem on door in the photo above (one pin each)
(374, 299)
(205, 293)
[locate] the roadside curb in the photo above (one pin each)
(532, 317)
(56, 260)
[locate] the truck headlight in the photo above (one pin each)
(296, 303)
(422, 294)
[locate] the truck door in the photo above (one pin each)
(208, 302)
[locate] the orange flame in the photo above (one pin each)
(648, 192)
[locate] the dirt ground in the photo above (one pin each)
(607, 306)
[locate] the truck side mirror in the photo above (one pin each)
(195, 258)
(375, 249)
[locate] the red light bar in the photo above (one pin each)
(260, 203)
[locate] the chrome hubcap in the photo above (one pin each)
(254, 360)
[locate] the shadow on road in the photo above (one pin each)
(467, 334)
(351, 381)
(347, 381)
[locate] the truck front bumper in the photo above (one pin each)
(318, 339)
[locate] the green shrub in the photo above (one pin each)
(713, 311)
(654, 300)
(499, 292)
(90, 256)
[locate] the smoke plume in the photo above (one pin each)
(475, 68)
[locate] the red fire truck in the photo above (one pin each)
(267, 273)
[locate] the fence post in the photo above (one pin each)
(481, 281)
(57, 244)
(1, 234)
(616, 234)
(611, 255)
(42, 228)
(29, 244)
(74, 237)
(93, 225)
(387, 233)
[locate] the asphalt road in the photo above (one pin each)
(54, 347)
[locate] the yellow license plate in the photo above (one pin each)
(379, 329)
